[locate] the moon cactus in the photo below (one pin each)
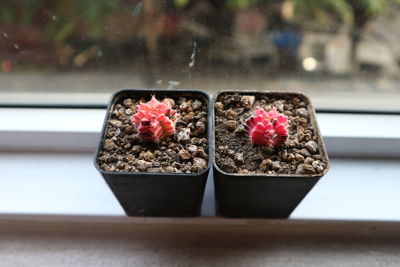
(268, 129)
(155, 120)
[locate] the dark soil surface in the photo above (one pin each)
(184, 152)
(301, 153)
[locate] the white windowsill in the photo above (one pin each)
(42, 184)
(67, 184)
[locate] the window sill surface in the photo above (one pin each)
(67, 184)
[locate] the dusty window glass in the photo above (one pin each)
(344, 54)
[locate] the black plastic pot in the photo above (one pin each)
(157, 194)
(264, 196)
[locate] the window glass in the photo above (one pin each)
(344, 54)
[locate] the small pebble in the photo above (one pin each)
(188, 118)
(136, 149)
(128, 103)
(184, 106)
(305, 152)
(290, 156)
(301, 112)
(142, 165)
(230, 114)
(184, 135)
(307, 137)
(191, 148)
(148, 156)
(191, 126)
(317, 165)
(231, 124)
(196, 104)
(300, 136)
(184, 154)
(295, 100)
(219, 106)
(305, 169)
(172, 155)
(157, 169)
(200, 153)
(311, 146)
(308, 160)
(247, 101)
(279, 106)
(108, 145)
(293, 143)
(230, 100)
(229, 166)
(170, 169)
(222, 148)
(200, 127)
(302, 104)
(299, 157)
(121, 112)
(276, 165)
(288, 113)
(283, 155)
(128, 129)
(199, 163)
(317, 157)
(115, 123)
(243, 171)
(194, 140)
(176, 165)
(239, 159)
(265, 165)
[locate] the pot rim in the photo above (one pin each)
(155, 91)
(314, 122)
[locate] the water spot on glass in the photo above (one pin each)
(16, 46)
(54, 17)
(192, 60)
(137, 10)
(193, 56)
(100, 53)
(172, 84)
(5, 34)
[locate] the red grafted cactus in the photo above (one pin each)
(268, 128)
(155, 120)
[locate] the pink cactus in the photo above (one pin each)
(155, 120)
(268, 128)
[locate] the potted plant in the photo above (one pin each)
(268, 152)
(153, 151)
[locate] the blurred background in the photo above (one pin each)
(344, 54)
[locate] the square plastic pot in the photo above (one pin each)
(157, 194)
(264, 196)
